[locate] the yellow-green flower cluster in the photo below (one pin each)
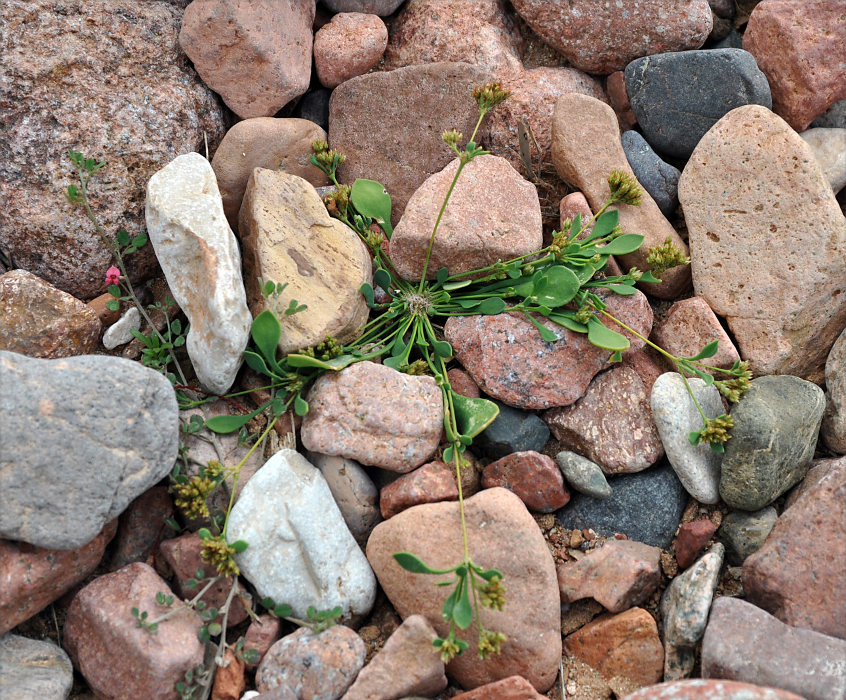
(191, 497)
(716, 429)
(489, 96)
(624, 188)
(490, 643)
(662, 257)
(217, 552)
(493, 594)
(733, 388)
(449, 649)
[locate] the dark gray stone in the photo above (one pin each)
(677, 97)
(776, 423)
(513, 430)
(743, 533)
(80, 438)
(833, 118)
(646, 507)
(314, 106)
(33, 670)
(659, 179)
(371, 7)
(732, 41)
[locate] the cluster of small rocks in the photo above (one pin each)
(644, 566)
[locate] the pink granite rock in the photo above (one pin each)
(618, 96)
(692, 539)
(602, 37)
(575, 204)
(261, 635)
(493, 214)
(479, 32)
(34, 577)
(117, 657)
(39, 320)
(431, 483)
(375, 415)
(349, 45)
(709, 689)
(618, 575)
(510, 541)
(779, 284)
(462, 383)
(611, 424)
(533, 476)
(507, 358)
(833, 429)
(799, 47)
(256, 54)
(586, 147)
(511, 688)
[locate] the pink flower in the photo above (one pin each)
(112, 275)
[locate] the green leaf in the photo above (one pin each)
(442, 275)
(449, 603)
(584, 273)
(229, 424)
(256, 362)
(567, 320)
(603, 225)
(112, 304)
(717, 447)
(708, 351)
(413, 563)
(204, 534)
(371, 199)
(266, 332)
(294, 307)
(114, 290)
(624, 290)
(462, 613)
(649, 278)
(176, 326)
(215, 629)
(382, 279)
(449, 286)
(300, 406)
(239, 546)
(603, 337)
(122, 237)
(546, 335)
(489, 573)
(469, 303)
(627, 243)
(336, 363)
(693, 437)
(203, 635)
(282, 610)
(472, 416)
(491, 306)
(617, 356)
(139, 241)
(448, 454)
(562, 285)
(442, 349)
(366, 290)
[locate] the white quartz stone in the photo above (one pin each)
(120, 332)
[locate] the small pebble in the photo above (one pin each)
(583, 475)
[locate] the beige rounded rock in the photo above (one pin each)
(349, 45)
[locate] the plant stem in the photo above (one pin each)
(190, 604)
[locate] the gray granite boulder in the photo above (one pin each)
(33, 669)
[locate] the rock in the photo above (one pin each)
(677, 97)
(575, 204)
(510, 541)
(313, 665)
(586, 147)
(261, 634)
(34, 577)
(646, 507)
(757, 163)
(615, 86)
(795, 45)
(255, 55)
(264, 142)
(623, 646)
(141, 527)
(63, 474)
(512, 431)
(229, 681)
(611, 424)
(583, 475)
(300, 551)
(416, 105)
(99, 626)
(354, 492)
(33, 669)
(431, 483)
(659, 179)
(288, 236)
(743, 533)
(772, 442)
(676, 416)
(120, 332)
(349, 45)
(829, 147)
(507, 358)
(797, 575)
(314, 106)
(62, 94)
(383, 8)
(511, 688)
(619, 575)
(376, 415)
(684, 607)
(199, 256)
(98, 306)
(534, 477)
(602, 38)
(744, 643)
(406, 665)
(462, 383)
(688, 326)
(833, 428)
(475, 231)
(480, 32)
(39, 320)
(706, 689)
(833, 118)
(693, 537)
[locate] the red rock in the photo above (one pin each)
(611, 424)
(39, 320)
(806, 546)
(618, 96)
(511, 688)
(795, 45)
(692, 539)
(709, 689)
(645, 361)
(624, 645)
(687, 327)
(534, 477)
(118, 658)
(618, 575)
(462, 383)
(34, 577)
(431, 483)
(261, 635)
(141, 527)
(349, 45)
(98, 306)
(229, 681)
(255, 54)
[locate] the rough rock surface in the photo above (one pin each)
(512, 431)
(511, 688)
(349, 45)
(142, 527)
(120, 332)
(79, 439)
(746, 172)
(534, 477)
(509, 541)
(692, 540)
(288, 236)
(829, 147)
(833, 428)
(86, 75)
(201, 261)
(431, 483)
(743, 533)
(30, 668)
(709, 689)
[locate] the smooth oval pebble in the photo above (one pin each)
(583, 475)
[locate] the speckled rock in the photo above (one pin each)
(349, 45)
(658, 178)
(615, 86)
(511, 688)
(709, 689)
(743, 533)
(692, 539)
(39, 320)
(512, 431)
(30, 668)
(507, 358)
(833, 118)
(262, 634)
(833, 428)
(431, 483)
(462, 383)
(583, 475)
(603, 37)
(256, 55)
(319, 666)
(534, 477)
(799, 48)
(772, 442)
(619, 575)
(829, 147)
(611, 424)
(754, 160)
(376, 7)
(375, 415)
